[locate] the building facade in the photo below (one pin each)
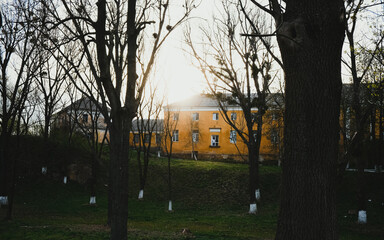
(199, 131)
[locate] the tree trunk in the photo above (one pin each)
(119, 156)
(310, 39)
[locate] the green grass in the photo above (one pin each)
(210, 199)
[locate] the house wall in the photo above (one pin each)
(207, 127)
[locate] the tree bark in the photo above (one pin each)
(119, 140)
(310, 39)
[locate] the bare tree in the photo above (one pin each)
(90, 122)
(170, 135)
(108, 36)
(238, 72)
(194, 134)
(17, 70)
(147, 124)
(361, 115)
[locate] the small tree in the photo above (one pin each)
(147, 124)
(170, 135)
(245, 85)
(90, 122)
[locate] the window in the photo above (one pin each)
(214, 140)
(215, 116)
(147, 138)
(233, 136)
(158, 138)
(195, 116)
(85, 117)
(233, 116)
(176, 116)
(274, 137)
(136, 138)
(274, 116)
(175, 136)
(195, 136)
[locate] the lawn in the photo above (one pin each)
(210, 202)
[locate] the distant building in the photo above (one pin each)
(82, 116)
(201, 131)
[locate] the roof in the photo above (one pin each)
(208, 101)
(156, 124)
(200, 100)
(84, 104)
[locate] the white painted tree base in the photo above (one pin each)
(252, 208)
(362, 217)
(3, 200)
(158, 154)
(65, 180)
(44, 170)
(141, 194)
(170, 206)
(257, 194)
(92, 200)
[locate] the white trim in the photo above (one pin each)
(362, 217)
(252, 208)
(3, 200)
(141, 194)
(257, 194)
(215, 130)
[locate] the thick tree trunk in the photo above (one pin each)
(310, 40)
(253, 177)
(119, 156)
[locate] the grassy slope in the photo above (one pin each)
(210, 199)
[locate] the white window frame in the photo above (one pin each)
(233, 116)
(215, 116)
(233, 136)
(195, 136)
(195, 116)
(175, 136)
(214, 140)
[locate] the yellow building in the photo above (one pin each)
(200, 131)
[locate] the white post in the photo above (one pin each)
(3, 200)
(170, 206)
(257, 194)
(141, 194)
(252, 208)
(362, 218)
(44, 170)
(65, 180)
(92, 200)
(158, 154)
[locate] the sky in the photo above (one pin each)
(178, 78)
